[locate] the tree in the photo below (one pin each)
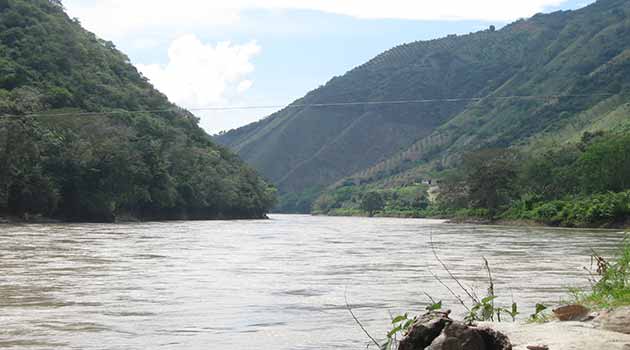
(57, 3)
(372, 202)
(605, 165)
(453, 191)
(420, 202)
(550, 174)
(490, 176)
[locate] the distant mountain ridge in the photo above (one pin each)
(583, 55)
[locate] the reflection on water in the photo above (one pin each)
(275, 284)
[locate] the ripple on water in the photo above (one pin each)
(276, 284)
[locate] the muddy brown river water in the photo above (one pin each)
(272, 284)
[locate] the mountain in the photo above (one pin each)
(545, 79)
(75, 146)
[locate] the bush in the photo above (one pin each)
(596, 210)
(613, 288)
(549, 212)
(480, 213)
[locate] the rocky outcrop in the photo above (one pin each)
(436, 331)
(425, 330)
(458, 336)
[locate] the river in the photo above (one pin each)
(270, 284)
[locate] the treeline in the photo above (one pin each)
(580, 184)
(67, 164)
(353, 200)
(102, 169)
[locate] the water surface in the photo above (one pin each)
(272, 284)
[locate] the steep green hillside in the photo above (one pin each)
(572, 66)
(60, 160)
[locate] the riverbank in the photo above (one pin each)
(121, 219)
(562, 335)
(603, 315)
(474, 220)
(531, 223)
(8, 219)
(437, 330)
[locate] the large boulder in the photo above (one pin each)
(436, 331)
(494, 339)
(424, 331)
(458, 336)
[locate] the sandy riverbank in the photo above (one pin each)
(563, 336)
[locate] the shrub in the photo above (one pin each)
(613, 287)
(596, 210)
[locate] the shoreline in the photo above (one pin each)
(123, 219)
(481, 221)
(532, 223)
(14, 220)
(561, 335)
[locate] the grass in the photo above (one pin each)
(613, 287)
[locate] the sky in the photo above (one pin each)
(214, 53)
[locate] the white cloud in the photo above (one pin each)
(114, 19)
(199, 75)
(244, 86)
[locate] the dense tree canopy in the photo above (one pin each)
(490, 176)
(372, 202)
(66, 163)
(576, 184)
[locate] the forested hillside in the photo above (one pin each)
(533, 84)
(63, 157)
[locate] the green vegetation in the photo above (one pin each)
(540, 315)
(613, 287)
(408, 201)
(578, 185)
(297, 203)
(610, 289)
(582, 55)
(598, 210)
(68, 164)
(401, 324)
(371, 202)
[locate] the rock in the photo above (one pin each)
(438, 332)
(424, 331)
(494, 339)
(537, 347)
(616, 320)
(458, 336)
(574, 312)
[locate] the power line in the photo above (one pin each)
(330, 104)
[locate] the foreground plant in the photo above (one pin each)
(540, 315)
(612, 289)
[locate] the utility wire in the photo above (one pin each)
(297, 105)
